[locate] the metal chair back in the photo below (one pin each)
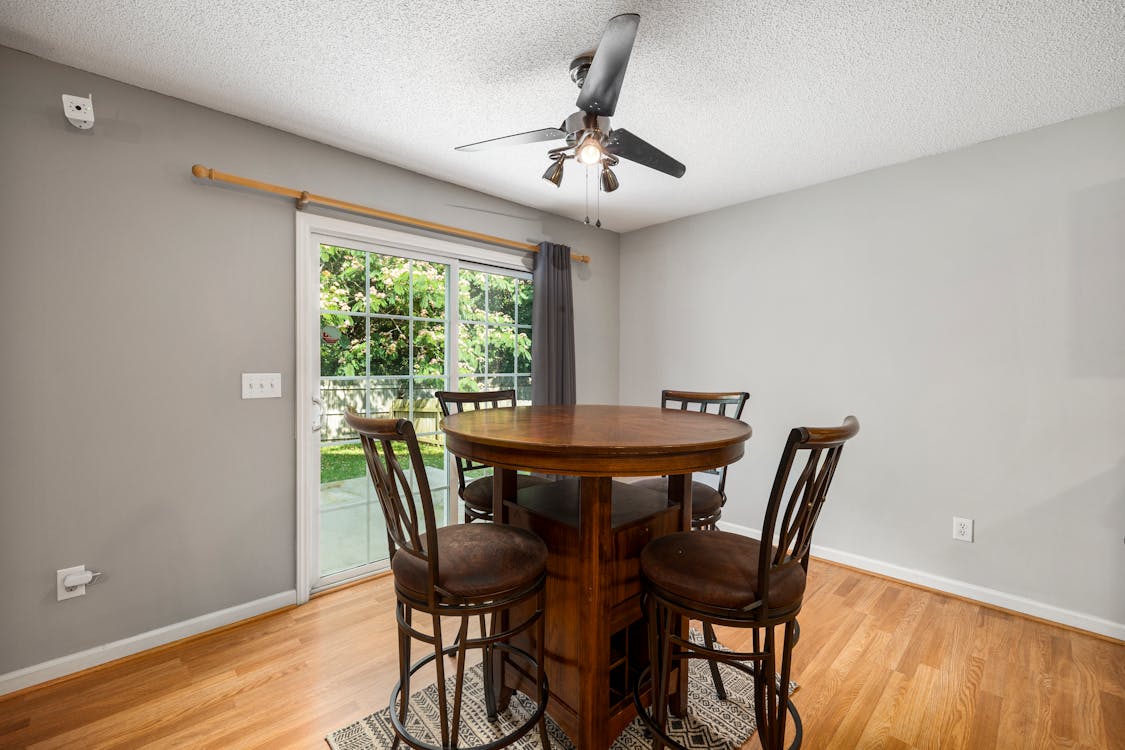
(455, 402)
(408, 531)
(791, 527)
(723, 403)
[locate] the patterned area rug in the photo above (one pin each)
(710, 723)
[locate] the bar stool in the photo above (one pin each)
(462, 571)
(477, 494)
(706, 501)
(721, 578)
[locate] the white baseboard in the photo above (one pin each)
(92, 657)
(953, 586)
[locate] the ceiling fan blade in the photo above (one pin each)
(628, 146)
(603, 80)
(531, 136)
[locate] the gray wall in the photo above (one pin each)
(131, 299)
(969, 308)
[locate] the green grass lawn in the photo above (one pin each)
(346, 461)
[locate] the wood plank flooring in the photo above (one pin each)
(881, 665)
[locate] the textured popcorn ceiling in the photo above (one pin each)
(755, 98)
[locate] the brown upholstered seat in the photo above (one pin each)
(478, 493)
(716, 569)
(706, 501)
(475, 561)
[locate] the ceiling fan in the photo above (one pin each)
(589, 138)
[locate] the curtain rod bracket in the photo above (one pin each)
(303, 200)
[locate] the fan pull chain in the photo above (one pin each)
(587, 195)
(598, 201)
(597, 197)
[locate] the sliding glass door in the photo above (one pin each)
(394, 326)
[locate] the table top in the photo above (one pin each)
(596, 440)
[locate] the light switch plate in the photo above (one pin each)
(261, 385)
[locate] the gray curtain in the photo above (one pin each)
(552, 318)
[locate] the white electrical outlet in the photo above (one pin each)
(261, 385)
(963, 529)
(60, 589)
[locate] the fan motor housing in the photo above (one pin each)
(582, 122)
(579, 66)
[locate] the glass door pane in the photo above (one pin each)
(384, 344)
(494, 335)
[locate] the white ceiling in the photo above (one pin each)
(755, 98)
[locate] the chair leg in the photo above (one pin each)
(540, 653)
(768, 721)
(709, 641)
(487, 671)
(783, 688)
(457, 640)
(443, 703)
(660, 651)
(462, 636)
(403, 670)
(760, 690)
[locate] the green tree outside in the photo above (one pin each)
(376, 308)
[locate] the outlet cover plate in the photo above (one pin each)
(963, 529)
(61, 590)
(261, 385)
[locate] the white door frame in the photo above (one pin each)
(310, 230)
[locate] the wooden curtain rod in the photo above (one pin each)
(304, 198)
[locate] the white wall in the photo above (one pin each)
(131, 299)
(969, 308)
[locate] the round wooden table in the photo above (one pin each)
(595, 529)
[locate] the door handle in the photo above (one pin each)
(319, 414)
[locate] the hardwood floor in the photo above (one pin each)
(881, 665)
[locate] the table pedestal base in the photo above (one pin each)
(596, 641)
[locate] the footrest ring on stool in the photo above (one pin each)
(505, 741)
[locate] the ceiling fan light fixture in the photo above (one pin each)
(587, 135)
(554, 173)
(589, 151)
(609, 180)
